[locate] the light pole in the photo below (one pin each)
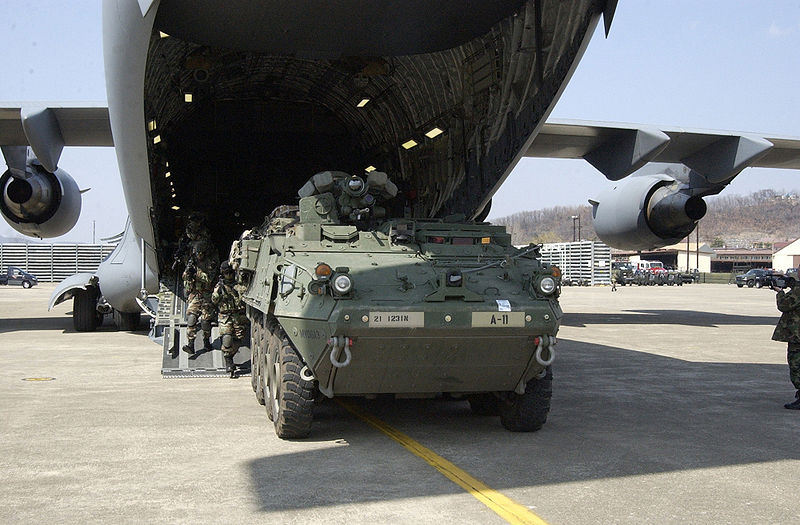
(578, 219)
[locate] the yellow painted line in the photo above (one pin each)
(506, 508)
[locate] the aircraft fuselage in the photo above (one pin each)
(229, 108)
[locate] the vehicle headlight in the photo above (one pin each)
(547, 285)
(342, 284)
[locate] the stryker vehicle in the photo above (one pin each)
(346, 302)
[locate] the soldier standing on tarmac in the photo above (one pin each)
(227, 297)
(198, 281)
(788, 330)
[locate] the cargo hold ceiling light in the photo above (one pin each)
(187, 97)
(409, 144)
(176, 208)
(370, 168)
(433, 133)
(151, 126)
(364, 102)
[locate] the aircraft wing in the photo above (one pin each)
(78, 125)
(617, 150)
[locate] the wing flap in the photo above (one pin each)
(625, 147)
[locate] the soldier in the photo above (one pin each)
(233, 322)
(788, 330)
(198, 281)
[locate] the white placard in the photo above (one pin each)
(503, 305)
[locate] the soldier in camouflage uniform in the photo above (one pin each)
(788, 330)
(198, 281)
(233, 322)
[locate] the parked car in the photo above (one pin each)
(757, 277)
(18, 276)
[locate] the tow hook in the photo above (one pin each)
(337, 344)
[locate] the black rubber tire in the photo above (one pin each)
(127, 321)
(255, 326)
(255, 365)
(759, 284)
(291, 398)
(84, 309)
(26, 284)
(739, 285)
(485, 404)
(528, 412)
(258, 358)
(750, 283)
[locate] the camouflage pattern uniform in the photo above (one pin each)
(233, 322)
(788, 330)
(198, 281)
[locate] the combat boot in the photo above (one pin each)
(189, 347)
(794, 405)
(207, 344)
(229, 366)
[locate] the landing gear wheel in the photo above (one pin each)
(84, 309)
(485, 404)
(291, 398)
(528, 412)
(127, 321)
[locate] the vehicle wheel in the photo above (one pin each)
(127, 321)
(255, 341)
(84, 309)
(259, 343)
(26, 284)
(750, 283)
(268, 364)
(759, 284)
(485, 404)
(291, 397)
(528, 412)
(740, 285)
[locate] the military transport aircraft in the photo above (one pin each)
(230, 106)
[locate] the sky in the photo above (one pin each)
(721, 65)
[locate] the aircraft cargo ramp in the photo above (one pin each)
(170, 331)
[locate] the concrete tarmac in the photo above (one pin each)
(667, 408)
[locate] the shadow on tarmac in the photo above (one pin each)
(677, 317)
(62, 324)
(615, 413)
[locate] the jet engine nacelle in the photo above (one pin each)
(643, 213)
(40, 204)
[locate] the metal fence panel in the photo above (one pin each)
(586, 262)
(54, 262)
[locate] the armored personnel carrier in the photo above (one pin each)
(347, 302)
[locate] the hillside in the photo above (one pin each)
(765, 216)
